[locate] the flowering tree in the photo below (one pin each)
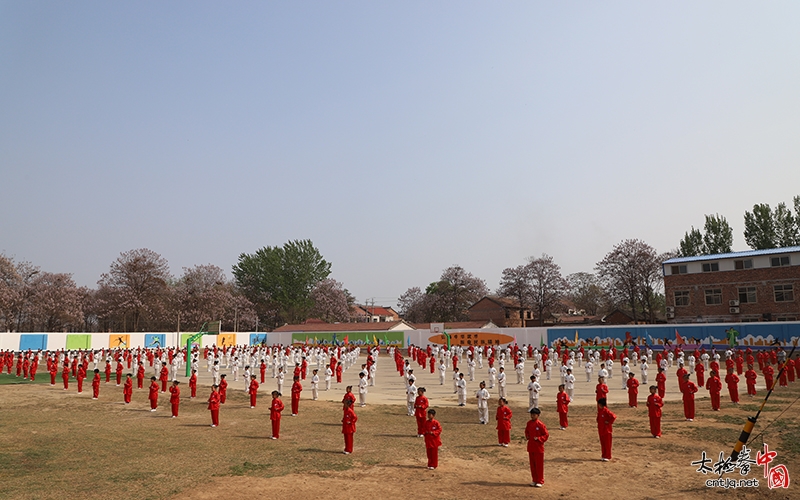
(330, 301)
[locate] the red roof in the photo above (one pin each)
(456, 325)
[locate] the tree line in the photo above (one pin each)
(764, 228)
(290, 283)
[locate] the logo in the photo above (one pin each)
(777, 476)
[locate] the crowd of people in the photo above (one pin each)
(328, 363)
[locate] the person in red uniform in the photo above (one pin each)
(296, 390)
(661, 382)
(348, 394)
(153, 395)
(164, 377)
(605, 420)
(253, 391)
(339, 372)
(127, 389)
(223, 389)
(700, 371)
(782, 380)
(420, 408)
(503, 417)
(768, 373)
(433, 439)
(213, 405)
(654, 404)
(140, 377)
(633, 391)
(65, 376)
(688, 397)
(601, 389)
(80, 376)
(432, 364)
(750, 376)
(119, 372)
(562, 405)
(349, 420)
(53, 369)
(193, 384)
(536, 434)
(108, 372)
(175, 397)
(680, 374)
(263, 370)
(96, 384)
(275, 410)
(714, 386)
(732, 381)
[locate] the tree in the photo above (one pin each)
(517, 283)
(330, 301)
(759, 227)
(280, 279)
(718, 237)
(631, 274)
(137, 285)
(55, 303)
(547, 285)
(10, 284)
(410, 305)
(787, 233)
(202, 294)
(692, 244)
(455, 292)
(585, 292)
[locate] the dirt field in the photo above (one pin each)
(56, 443)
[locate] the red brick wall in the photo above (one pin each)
(487, 310)
(729, 281)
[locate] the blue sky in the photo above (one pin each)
(401, 138)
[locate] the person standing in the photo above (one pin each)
(601, 389)
(461, 388)
(533, 393)
(362, 389)
(213, 405)
(732, 381)
(536, 434)
(503, 417)
(688, 398)
(253, 391)
(96, 384)
(605, 420)
(433, 439)
(483, 403)
(654, 404)
(501, 382)
(314, 385)
(223, 389)
(661, 382)
(349, 420)
(193, 384)
(275, 410)
(65, 376)
(633, 391)
(296, 390)
(153, 394)
(420, 408)
(714, 386)
(127, 389)
(562, 405)
(175, 398)
(750, 376)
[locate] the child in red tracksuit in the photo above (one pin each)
(633, 391)
(605, 420)
(223, 389)
(751, 377)
(536, 434)
(349, 420)
(503, 418)
(433, 440)
(193, 384)
(175, 397)
(420, 407)
(253, 391)
(654, 404)
(153, 394)
(213, 405)
(96, 384)
(275, 410)
(732, 380)
(562, 405)
(296, 390)
(127, 389)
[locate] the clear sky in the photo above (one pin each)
(400, 137)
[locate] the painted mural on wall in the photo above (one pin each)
(154, 340)
(119, 341)
(475, 338)
(754, 335)
(349, 338)
(33, 341)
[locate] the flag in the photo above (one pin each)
(576, 337)
(385, 340)
(447, 337)
(315, 340)
(306, 340)
(541, 341)
(678, 338)
(375, 339)
(346, 337)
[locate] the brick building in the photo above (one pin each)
(756, 285)
(501, 311)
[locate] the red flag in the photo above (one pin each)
(678, 338)
(345, 339)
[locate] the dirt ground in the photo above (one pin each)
(56, 443)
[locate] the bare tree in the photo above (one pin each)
(136, 286)
(547, 285)
(631, 274)
(586, 292)
(517, 283)
(54, 303)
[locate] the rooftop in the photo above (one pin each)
(732, 255)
